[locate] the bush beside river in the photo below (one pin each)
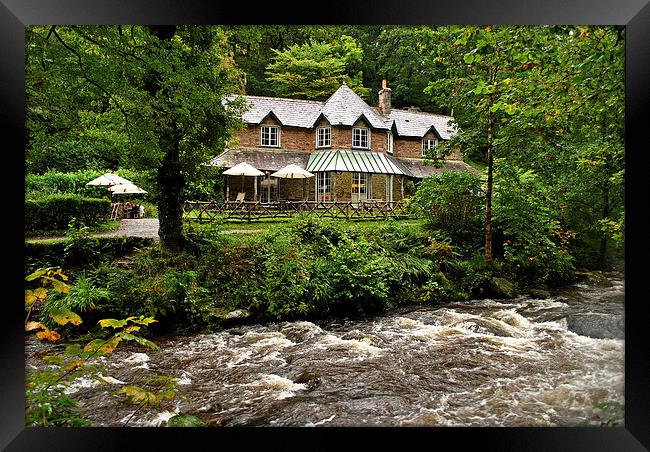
(304, 269)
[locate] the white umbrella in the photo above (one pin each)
(244, 169)
(109, 179)
(293, 172)
(126, 188)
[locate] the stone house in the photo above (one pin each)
(356, 151)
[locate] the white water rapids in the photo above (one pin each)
(522, 362)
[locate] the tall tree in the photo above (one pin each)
(316, 69)
(481, 68)
(167, 82)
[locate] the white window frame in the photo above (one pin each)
(360, 180)
(389, 149)
(318, 137)
(428, 143)
(323, 180)
(361, 129)
(265, 126)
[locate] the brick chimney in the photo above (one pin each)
(384, 98)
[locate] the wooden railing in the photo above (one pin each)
(208, 211)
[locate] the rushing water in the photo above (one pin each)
(522, 362)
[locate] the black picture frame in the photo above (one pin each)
(16, 14)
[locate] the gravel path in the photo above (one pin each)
(146, 227)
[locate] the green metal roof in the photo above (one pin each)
(355, 162)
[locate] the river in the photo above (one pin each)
(520, 362)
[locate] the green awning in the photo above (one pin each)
(355, 162)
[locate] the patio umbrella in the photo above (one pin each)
(125, 188)
(293, 172)
(244, 169)
(109, 179)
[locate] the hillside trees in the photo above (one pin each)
(160, 88)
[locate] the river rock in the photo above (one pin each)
(593, 278)
(539, 293)
(501, 288)
(237, 314)
(599, 326)
(310, 379)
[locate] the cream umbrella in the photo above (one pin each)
(244, 169)
(293, 172)
(109, 179)
(125, 188)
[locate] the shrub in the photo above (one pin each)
(454, 202)
(535, 248)
(55, 212)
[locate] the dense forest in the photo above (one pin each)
(541, 109)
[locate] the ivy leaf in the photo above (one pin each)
(138, 395)
(54, 359)
(63, 316)
(105, 323)
(469, 59)
(100, 346)
(142, 320)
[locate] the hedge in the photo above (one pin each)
(56, 253)
(74, 183)
(54, 212)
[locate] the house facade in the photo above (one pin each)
(356, 152)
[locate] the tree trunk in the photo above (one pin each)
(602, 256)
(488, 192)
(170, 186)
(169, 178)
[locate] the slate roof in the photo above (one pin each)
(272, 160)
(420, 170)
(417, 124)
(344, 107)
(264, 160)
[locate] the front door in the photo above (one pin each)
(359, 187)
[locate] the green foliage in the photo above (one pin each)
(185, 420)
(454, 203)
(55, 212)
(73, 251)
(536, 249)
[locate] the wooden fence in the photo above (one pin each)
(208, 211)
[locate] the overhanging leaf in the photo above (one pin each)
(105, 323)
(63, 316)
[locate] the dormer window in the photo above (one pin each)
(270, 136)
(361, 138)
(389, 148)
(323, 137)
(428, 143)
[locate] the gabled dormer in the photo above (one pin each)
(270, 130)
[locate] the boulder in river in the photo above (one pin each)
(501, 288)
(310, 379)
(539, 293)
(593, 278)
